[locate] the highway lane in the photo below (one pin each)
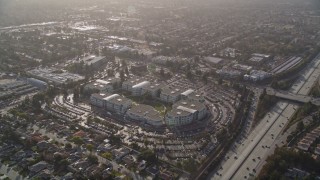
(242, 151)
(246, 162)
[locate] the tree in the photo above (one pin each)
(148, 156)
(115, 140)
(68, 146)
(65, 93)
(126, 70)
(161, 72)
(76, 94)
(300, 126)
(77, 140)
(189, 74)
(93, 159)
(89, 147)
(122, 78)
(205, 78)
(37, 100)
(124, 63)
(110, 72)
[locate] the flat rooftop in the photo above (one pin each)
(146, 111)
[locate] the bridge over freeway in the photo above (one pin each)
(293, 97)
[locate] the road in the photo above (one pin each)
(246, 158)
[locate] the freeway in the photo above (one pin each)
(246, 158)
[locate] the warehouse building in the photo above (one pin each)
(55, 76)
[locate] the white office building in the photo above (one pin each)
(111, 102)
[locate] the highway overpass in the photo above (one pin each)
(293, 97)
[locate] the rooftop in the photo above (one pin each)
(185, 107)
(214, 60)
(146, 111)
(92, 59)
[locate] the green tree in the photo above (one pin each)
(122, 77)
(76, 93)
(90, 147)
(77, 140)
(148, 156)
(300, 126)
(162, 72)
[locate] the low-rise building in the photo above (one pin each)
(111, 102)
(185, 112)
(145, 113)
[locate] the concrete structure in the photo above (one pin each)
(106, 85)
(53, 76)
(293, 97)
(94, 61)
(146, 114)
(111, 102)
(185, 112)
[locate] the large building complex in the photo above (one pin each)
(188, 106)
(103, 85)
(185, 112)
(146, 114)
(55, 76)
(111, 102)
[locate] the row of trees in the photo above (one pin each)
(283, 159)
